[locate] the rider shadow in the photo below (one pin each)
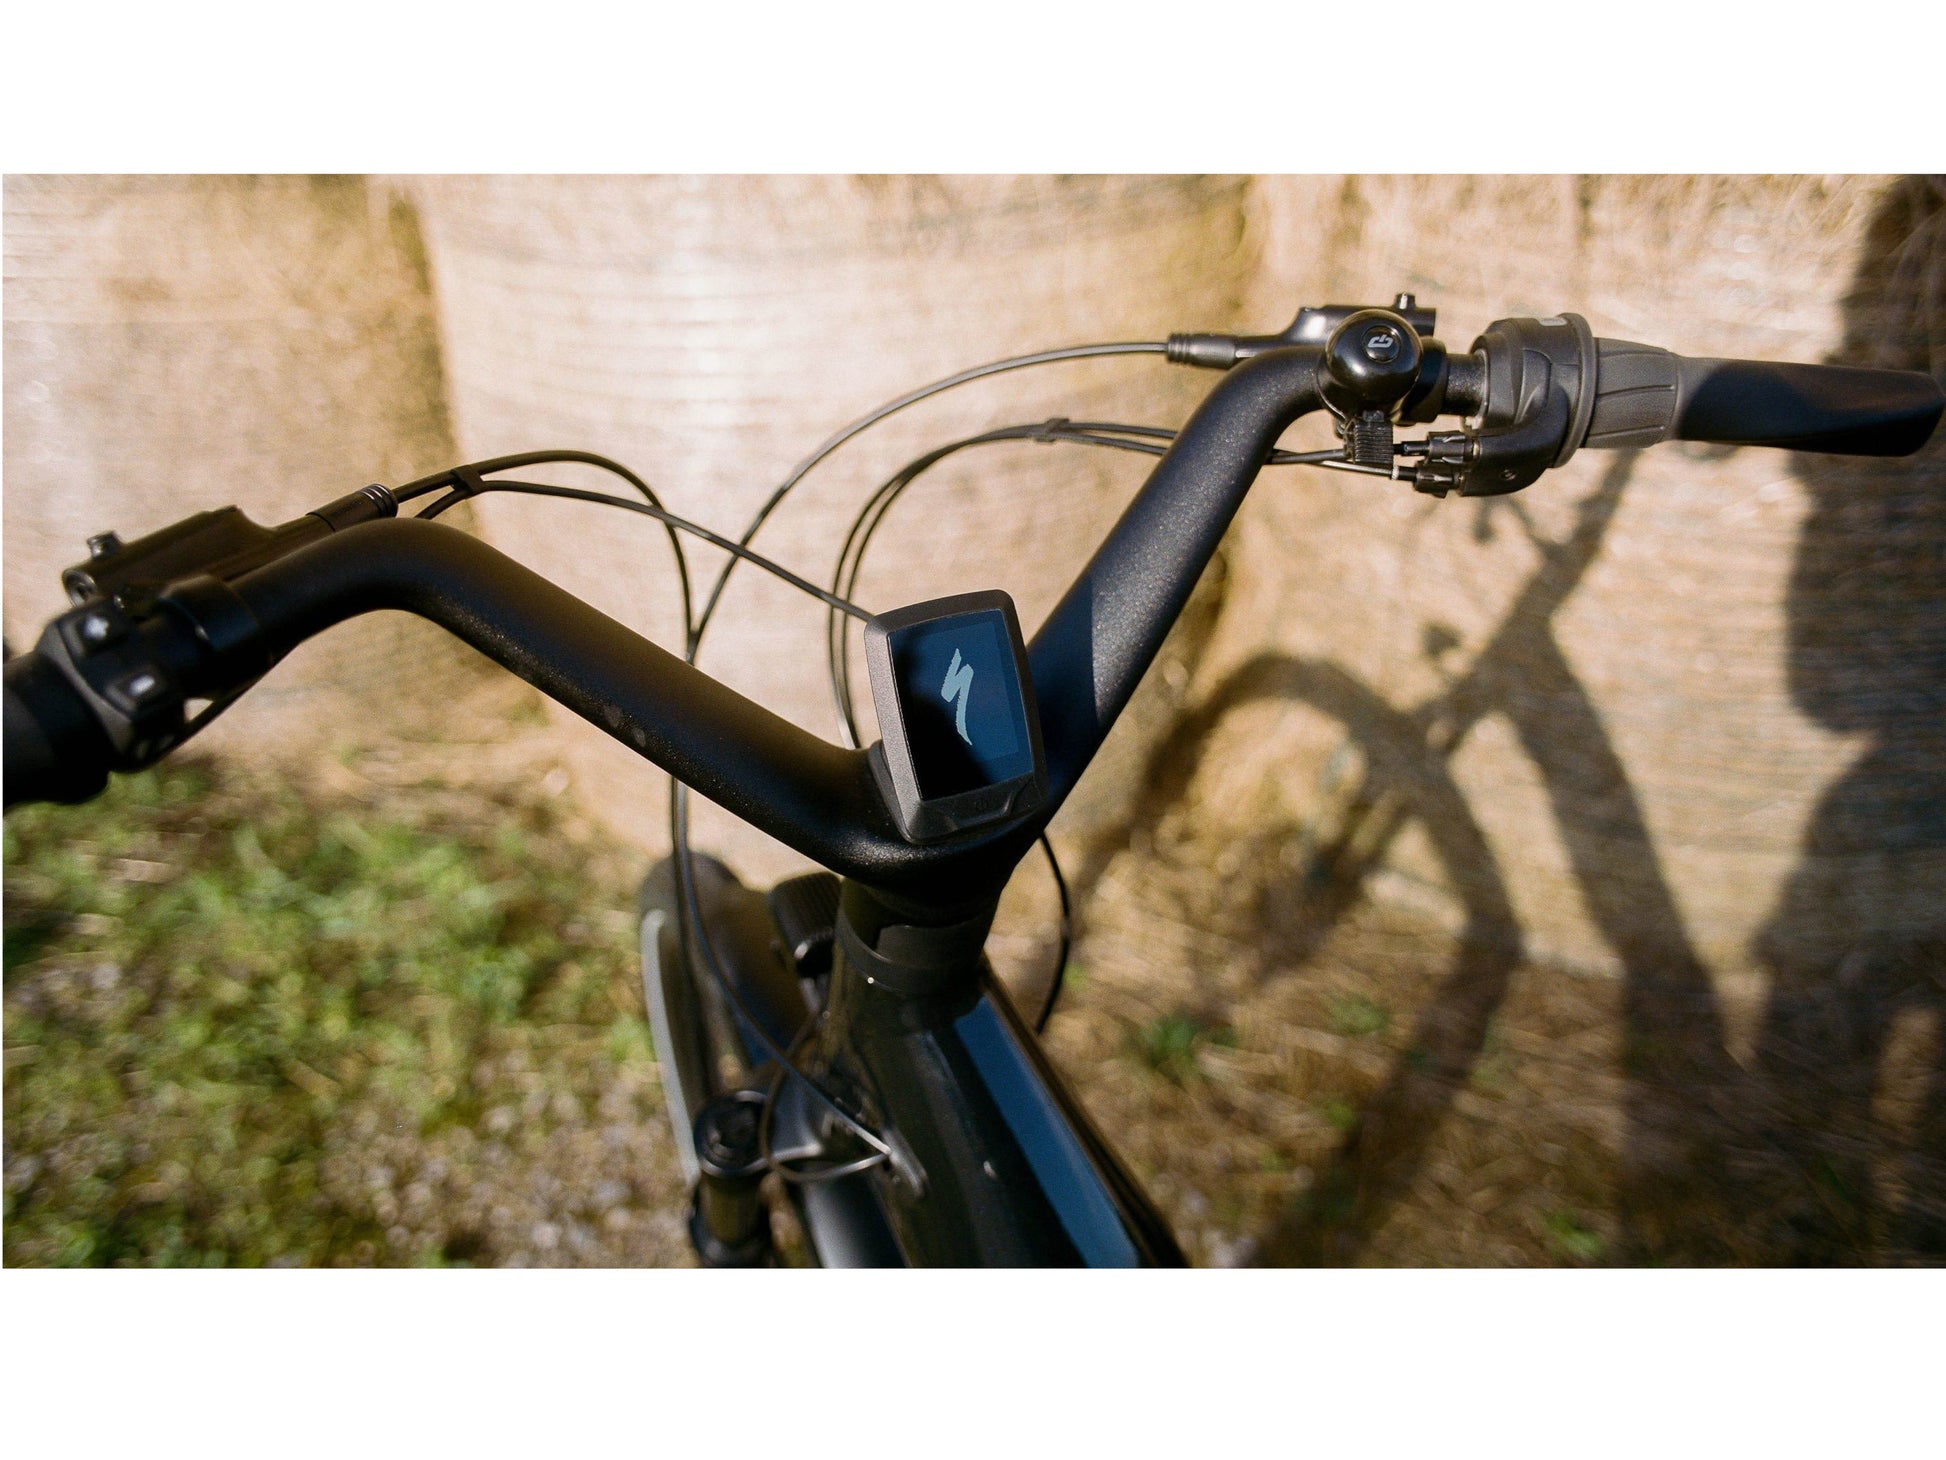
(1856, 945)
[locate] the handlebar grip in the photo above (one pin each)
(54, 749)
(1644, 395)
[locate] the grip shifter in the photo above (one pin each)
(1534, 403)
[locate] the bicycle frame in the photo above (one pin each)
(996, 1164)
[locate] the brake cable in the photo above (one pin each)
(893, 407)
(471, 475)
(575, 494)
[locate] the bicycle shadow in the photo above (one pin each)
(1674, 1037)
(1780, 1163)
(1856, 945)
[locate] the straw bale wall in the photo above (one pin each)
(709, 332)
(1692, 698)
(175, 344)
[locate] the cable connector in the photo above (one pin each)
(367, 504)
(1368, 439)
(1207, 352)
(1442, 468)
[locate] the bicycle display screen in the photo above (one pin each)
(956, 712)
(960, 693)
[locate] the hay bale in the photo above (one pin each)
(180, 343)
(708, 332)
(1636, 721)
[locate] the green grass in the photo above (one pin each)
(215, 995)
(1168, 1045)
(1342, 1114)
(1359, 1017)
(1570, 1237)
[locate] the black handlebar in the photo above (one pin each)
(1533, 390)
(1644, 395)
(813, 795)
(825, 801)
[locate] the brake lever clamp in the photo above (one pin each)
(1314, 325)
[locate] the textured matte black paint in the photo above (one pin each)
(822, 800)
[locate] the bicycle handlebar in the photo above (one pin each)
(816, 797)
(811, 794)
(1533, 391)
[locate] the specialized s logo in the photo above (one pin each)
(959, 684)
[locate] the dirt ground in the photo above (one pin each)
(1302, 1073)
(1298, 1073)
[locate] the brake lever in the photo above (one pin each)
(223, 544)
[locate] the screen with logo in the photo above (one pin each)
(959, 692)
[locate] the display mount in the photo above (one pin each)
(960, 735)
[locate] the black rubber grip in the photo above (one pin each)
(1644, 395)
(54, 749)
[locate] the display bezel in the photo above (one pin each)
(923, 819)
